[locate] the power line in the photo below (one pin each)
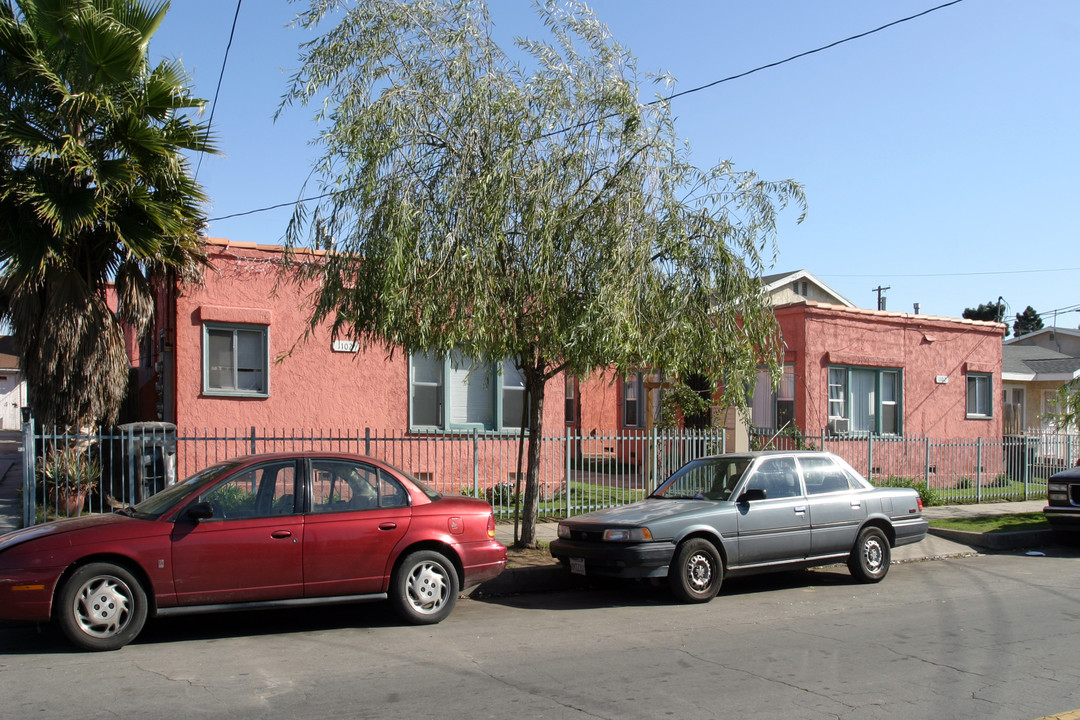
(654, 102)
(804, 54)
(948, 275)
(221, 76)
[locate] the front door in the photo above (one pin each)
(251, 549)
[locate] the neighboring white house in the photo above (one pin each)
(12, 386)
(801, 286)
(1062, 340)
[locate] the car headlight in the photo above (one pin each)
(627, 534)
(564, 531)
(1057, 487)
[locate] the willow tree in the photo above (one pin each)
(524, 205)
(94, 191)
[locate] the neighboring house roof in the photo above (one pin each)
(1033, 363)
(9, 354)
(779, 281)
(1032, 338)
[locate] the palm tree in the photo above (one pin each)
(94, 190)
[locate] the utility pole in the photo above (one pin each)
(881, 299)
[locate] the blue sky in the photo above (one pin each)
(940, 157)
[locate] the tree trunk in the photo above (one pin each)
(534, 388)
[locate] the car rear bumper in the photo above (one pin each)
(626, 560)
(909, 530)
(482, 562)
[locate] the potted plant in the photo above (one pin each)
(69, 476)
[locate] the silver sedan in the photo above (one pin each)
(745, 513)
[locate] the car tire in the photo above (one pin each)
(101, 607)
(696, 571)
(870, 558)
(424, 588)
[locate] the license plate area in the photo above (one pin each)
(577, 566)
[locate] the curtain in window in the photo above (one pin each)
(761, 409)
(249, 360)
(427, 382)
(513, 393)
(469, 387)
(220, 359)
(863, 401)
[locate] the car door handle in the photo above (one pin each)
(800, 510)
(280, 534)
(387, 526)
(855, 504)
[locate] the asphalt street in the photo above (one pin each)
(986, 636)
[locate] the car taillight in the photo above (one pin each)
(491, 526)
(919, 500)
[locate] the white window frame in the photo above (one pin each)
(633, 381)
(264, 356)
(489, 397)
(982, 384)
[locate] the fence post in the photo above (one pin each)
(367, 441)
(978, 470)
(870, 456)
(29, 472)
(926, 464)
(566, 477)
(476, 464)
(252, 439)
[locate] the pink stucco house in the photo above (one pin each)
(234, 354)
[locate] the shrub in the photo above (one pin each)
(929, 496)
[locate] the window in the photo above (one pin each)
(571, 399)
(777, 477)
(343, 486)
(458, 392)
(773, 409)
(869, 398)
(633, 400)
(979, 396)
(263, 491)
(822, 475)
(236, 360)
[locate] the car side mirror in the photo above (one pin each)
(753, 494)
(200, 511)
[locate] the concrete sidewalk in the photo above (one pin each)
(938, 544)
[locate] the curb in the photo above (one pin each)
(998, 541)
(514, 581)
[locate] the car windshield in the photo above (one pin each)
(705, 479)
(156, 505)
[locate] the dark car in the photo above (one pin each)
(745, 513)
(253, 532)
(1062, 509)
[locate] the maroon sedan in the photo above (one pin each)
(253, 532)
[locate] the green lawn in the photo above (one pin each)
(994, 523)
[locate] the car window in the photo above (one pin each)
(262, 491)
(822, 475)
(344, 486)
(708, 479)
(777, 477)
